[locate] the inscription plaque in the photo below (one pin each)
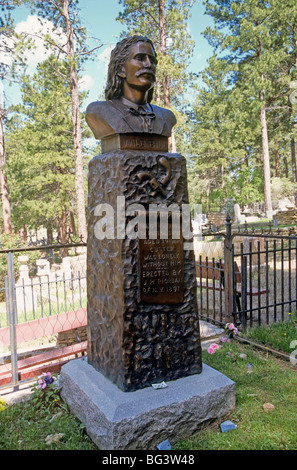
(161, 271)
(150, 142)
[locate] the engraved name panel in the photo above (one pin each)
(161, 271)
(150, 142)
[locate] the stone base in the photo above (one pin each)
(140, 420)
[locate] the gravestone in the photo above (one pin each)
(238, 217)
(143, 326)
(142, 311)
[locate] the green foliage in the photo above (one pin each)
(254, 62)
(278, 335)
(39, 149)
(282, 187)
(27, 425)
(2, 404)
(46, 393)
(267, 381)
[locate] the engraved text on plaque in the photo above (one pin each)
(161, 271)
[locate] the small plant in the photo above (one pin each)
(46, 393)
(2, 404)
(230, 330)
(276, 335)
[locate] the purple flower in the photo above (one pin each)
(48, 378)
(45, 379)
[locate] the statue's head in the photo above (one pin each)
(120, 55)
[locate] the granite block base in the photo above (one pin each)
(140, 420)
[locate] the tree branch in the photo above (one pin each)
(81, 53)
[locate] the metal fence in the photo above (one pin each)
(244, 276)
(43, 297)
(251, 280)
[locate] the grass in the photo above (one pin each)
(271, 381)
(277, 335)
(25, 426)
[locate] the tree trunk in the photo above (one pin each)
(292, 143)
(72, 223)
(157, 90)
(166, 80)
(76, 122)
(49, 233)
(265, 156)
(286, 167)
(276, 157)
(3, 182)
(293, 160)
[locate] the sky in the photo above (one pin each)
(99, 17)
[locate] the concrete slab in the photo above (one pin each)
(117, 420)
(208, 329)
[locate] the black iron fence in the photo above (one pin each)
(251, 280)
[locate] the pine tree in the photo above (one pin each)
(6, 49)
(254, 49)
(64, 14)
(41, 166)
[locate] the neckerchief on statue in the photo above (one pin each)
(145, 112)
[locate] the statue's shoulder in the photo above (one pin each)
(164, 113)
(98, 107)
(112, 117)
(102, 118)
(165, 116)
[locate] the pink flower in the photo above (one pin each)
(213, 348)
(231, 326)
(224, 339)
(41, 383)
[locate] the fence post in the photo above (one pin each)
(12, 318)
(244, 292)
(228, 261)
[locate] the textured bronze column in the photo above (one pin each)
(142, 314)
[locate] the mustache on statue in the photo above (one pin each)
(144, 72)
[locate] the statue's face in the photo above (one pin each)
(139, 70)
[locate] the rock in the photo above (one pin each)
(228, 426)
(165, 445)
(268, 407)
(117, 420)
(243, 356)
(52, 438)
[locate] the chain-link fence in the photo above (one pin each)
(43, 298)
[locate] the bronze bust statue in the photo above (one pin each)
(129, 92)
